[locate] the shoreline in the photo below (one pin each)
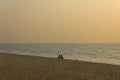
(27, 67)
(64, 58)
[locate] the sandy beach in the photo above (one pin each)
(19, 67)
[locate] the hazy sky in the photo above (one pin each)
(59, 21)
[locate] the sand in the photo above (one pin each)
(19, 67)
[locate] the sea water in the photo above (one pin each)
(92, 52)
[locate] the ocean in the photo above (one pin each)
(92, 52)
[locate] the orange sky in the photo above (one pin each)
(59, 21)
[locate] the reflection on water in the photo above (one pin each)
(101, 53)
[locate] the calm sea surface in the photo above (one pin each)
(100, 53)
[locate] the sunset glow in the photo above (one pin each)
(59, 21)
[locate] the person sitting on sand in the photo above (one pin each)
(60, 56)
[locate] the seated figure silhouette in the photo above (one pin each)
(60, 56)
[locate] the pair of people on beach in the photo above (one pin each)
(60, 56)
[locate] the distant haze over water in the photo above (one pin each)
(100, 53)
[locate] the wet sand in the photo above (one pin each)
(19, 67)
